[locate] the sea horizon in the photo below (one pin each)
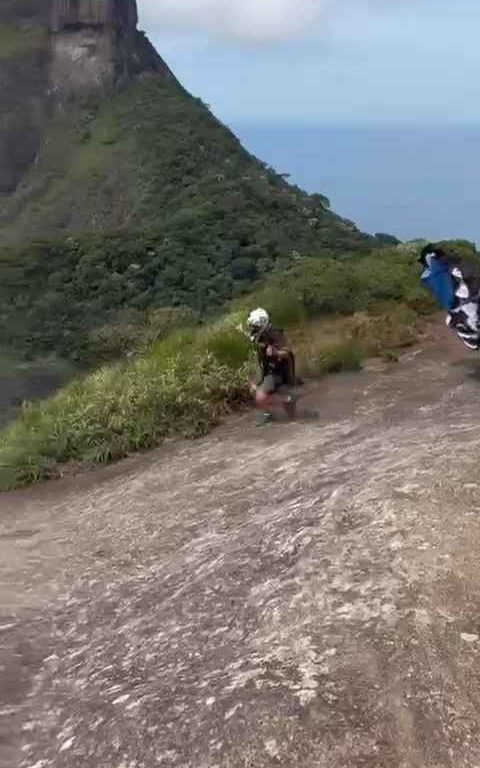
(408, 180)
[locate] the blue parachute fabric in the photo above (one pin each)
(438, 279)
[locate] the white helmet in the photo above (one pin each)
(257, 321)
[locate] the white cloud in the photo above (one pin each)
(247, 20)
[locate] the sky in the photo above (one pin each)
(329, 61)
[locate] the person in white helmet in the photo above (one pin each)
(275, 367)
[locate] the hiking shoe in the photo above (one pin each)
(263, 418)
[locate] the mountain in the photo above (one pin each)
(54, 56)
(119, 190)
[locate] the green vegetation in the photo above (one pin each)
(141, 202)
(181, 385)
(19, 40)
(461, 249)
(152, 157)
(65, 296)
(345, 285)
(56, 295)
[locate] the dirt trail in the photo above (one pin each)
(305, 595)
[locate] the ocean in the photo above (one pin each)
(408, 181)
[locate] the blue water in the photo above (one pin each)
(409, 182)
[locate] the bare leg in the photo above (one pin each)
(264, 401)
(267, 402)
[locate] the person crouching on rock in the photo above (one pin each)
(275, 368)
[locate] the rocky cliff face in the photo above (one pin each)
(67, 14)
(24, 60)
(96, 46)
(54, 53)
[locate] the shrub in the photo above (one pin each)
(133, 331)
(331, 356)
(285, 306)
(229, 347)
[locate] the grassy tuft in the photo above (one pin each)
(332, 357)
(229, 347)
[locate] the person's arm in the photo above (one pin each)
(281, 353)
(278, 347)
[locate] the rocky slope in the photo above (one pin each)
(304, 596)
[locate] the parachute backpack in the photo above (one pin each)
(456, 288)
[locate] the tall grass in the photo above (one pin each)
(183, 384)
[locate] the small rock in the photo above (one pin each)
(67, 744)
(271, 747)
(6, 627)
(467, 638)
(122, 699)
(232, 711)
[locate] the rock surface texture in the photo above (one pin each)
(305, 596)
(96, 46)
